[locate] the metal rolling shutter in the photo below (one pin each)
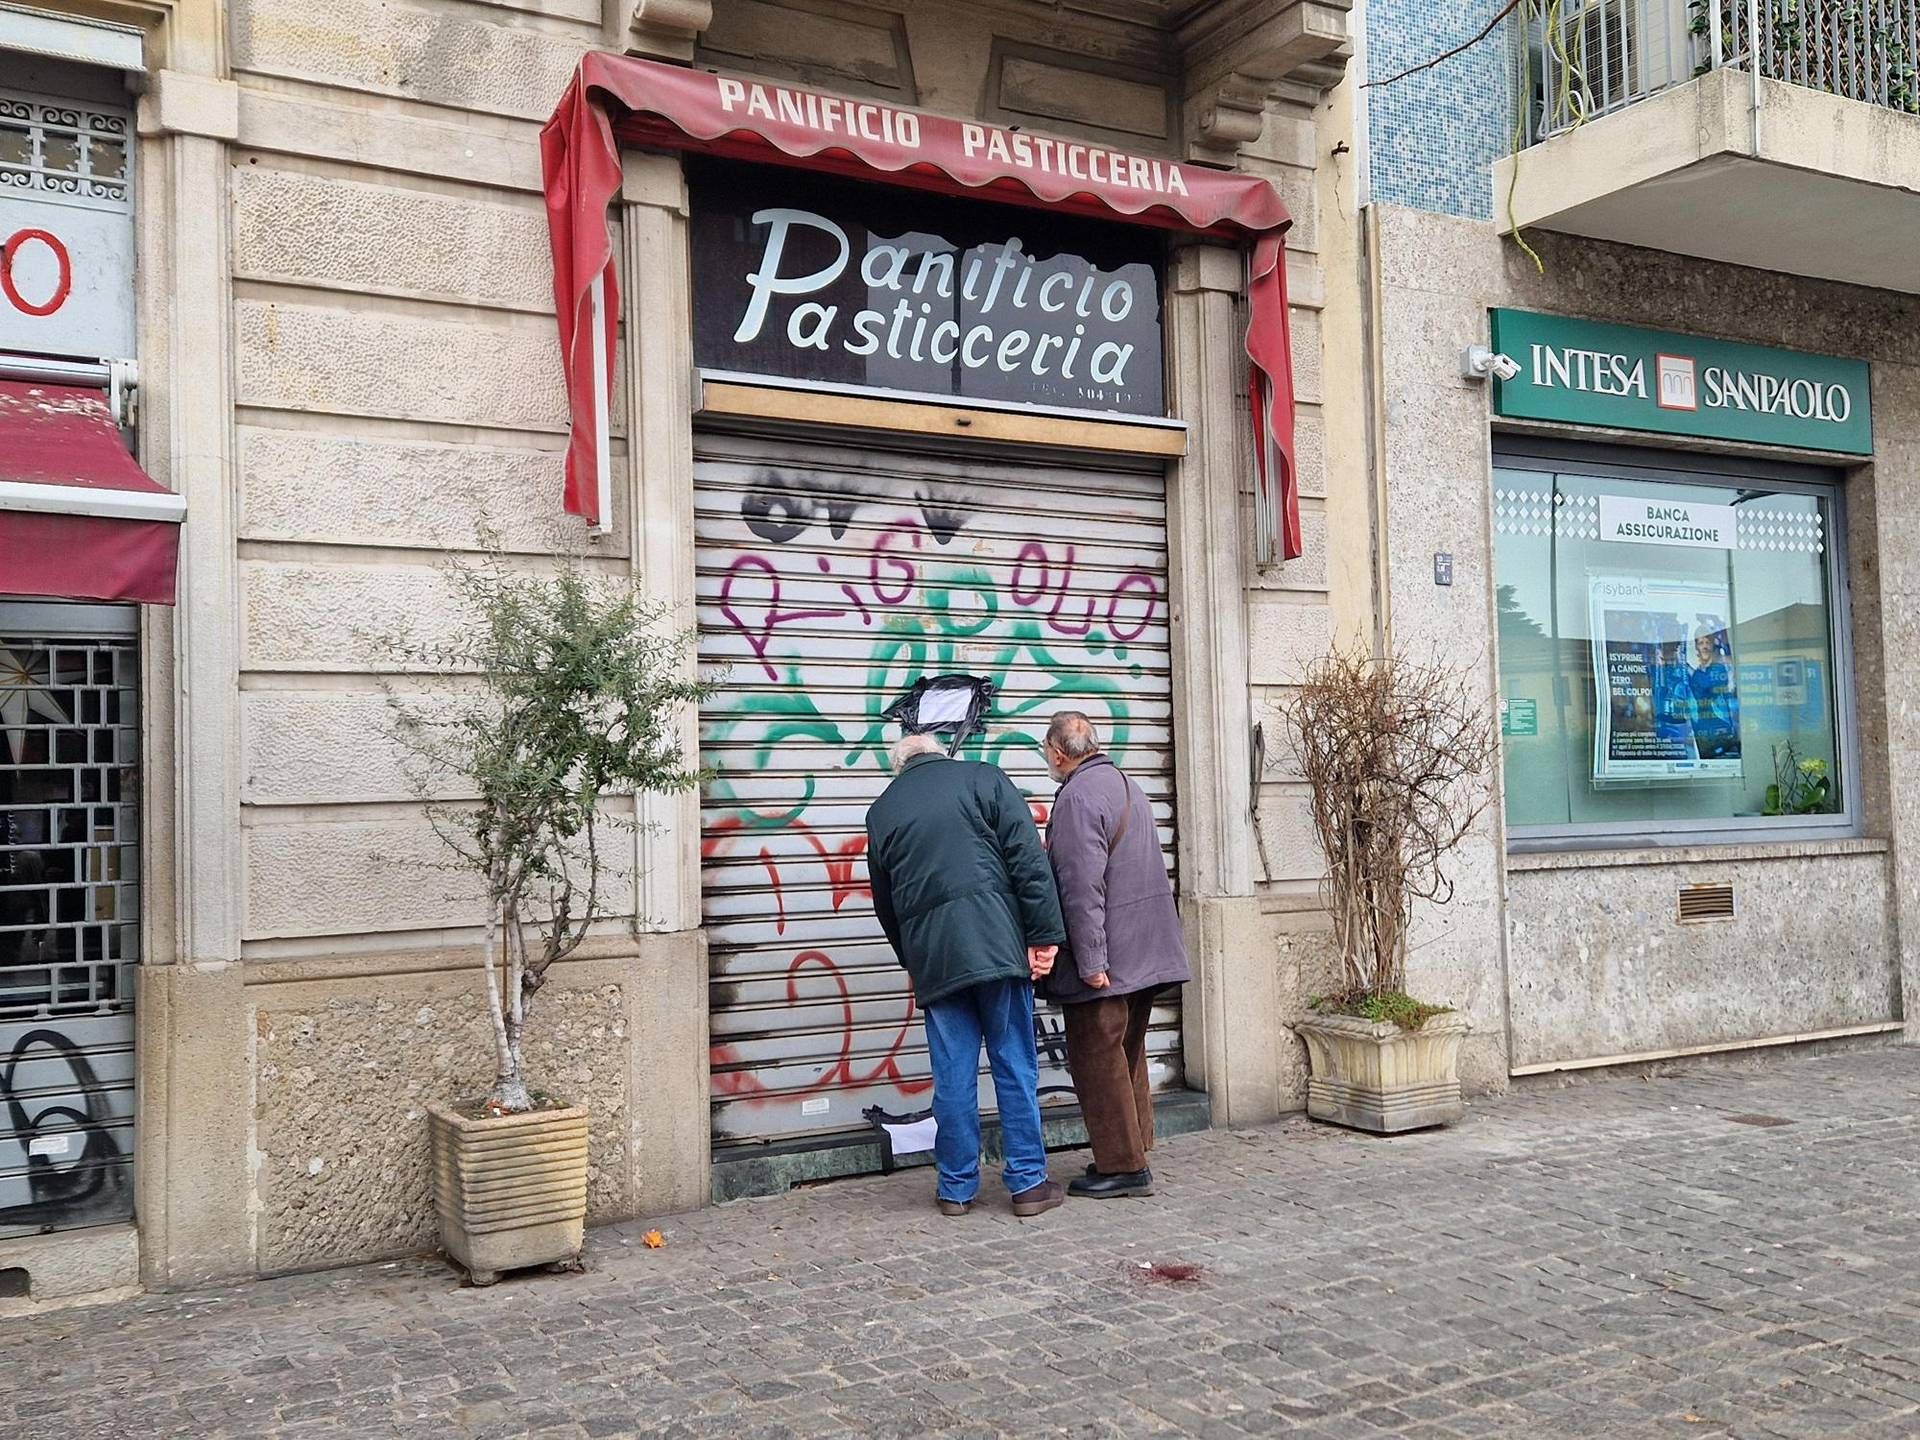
(69, 913)
(830, 577)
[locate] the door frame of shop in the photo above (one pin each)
(1231, 1037)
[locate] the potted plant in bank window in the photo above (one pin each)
(1397, 755)
(561, 690)
(1801, 784)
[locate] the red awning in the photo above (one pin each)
(78, 518)
(614, 98)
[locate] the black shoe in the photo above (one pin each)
(1095, 1186)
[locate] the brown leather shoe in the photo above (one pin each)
(955, 1207)
(1047, 1195)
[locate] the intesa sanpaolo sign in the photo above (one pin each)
(1586, 373)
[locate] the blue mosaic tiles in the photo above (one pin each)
(1434, 136)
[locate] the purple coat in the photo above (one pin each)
(1116, 897)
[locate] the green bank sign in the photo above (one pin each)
(1584, 373)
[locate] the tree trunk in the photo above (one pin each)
(516, 1016)
(509, 1092)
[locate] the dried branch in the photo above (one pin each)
(1396, 755)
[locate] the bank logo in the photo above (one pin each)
(1678, 390)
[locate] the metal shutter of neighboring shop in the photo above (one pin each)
(69, 915)
(831, 577)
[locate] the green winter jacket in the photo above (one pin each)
(960, 881)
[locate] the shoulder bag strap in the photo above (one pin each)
(1126, 814)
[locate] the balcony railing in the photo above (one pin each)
(1580, 59)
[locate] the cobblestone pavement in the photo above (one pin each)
(1618, 1258)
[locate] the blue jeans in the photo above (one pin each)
(999, 1012)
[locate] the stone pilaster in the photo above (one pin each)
(671, 1130)
(195, 1090)
(1231, 1016)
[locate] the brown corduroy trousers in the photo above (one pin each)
(1107, 1056)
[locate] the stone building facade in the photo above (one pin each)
(348, 366)
(1616, 909)
(342, 313)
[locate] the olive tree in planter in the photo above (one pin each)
(1397, 756)
(562, 689)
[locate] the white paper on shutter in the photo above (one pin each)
(830, 578)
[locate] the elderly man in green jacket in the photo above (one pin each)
(963, 890)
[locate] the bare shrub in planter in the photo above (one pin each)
(1397, 755)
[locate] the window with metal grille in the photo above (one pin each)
(1598, 57)
(69, 910)
(52, 146)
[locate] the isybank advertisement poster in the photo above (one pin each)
(1664, 669)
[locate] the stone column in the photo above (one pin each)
(1232, 1021)
(1883, 504)
(672, 1151)
(195, 1081)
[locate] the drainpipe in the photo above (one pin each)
(1753, 70)
(1372, 325)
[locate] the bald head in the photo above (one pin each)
(1071, 738)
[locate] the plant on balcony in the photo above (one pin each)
(1397, 756)
(1844, 47)
(558, 691)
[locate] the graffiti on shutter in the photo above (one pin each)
(69, 911)
(830, 578)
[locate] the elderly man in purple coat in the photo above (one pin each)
(1124, 945)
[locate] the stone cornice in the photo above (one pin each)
(664, 29)
(1239, 54)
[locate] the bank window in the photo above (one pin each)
(1671, 652)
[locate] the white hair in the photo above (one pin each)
(908, 746)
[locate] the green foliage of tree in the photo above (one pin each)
(562, 690)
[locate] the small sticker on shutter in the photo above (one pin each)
(50, 1145)
(819, 1105)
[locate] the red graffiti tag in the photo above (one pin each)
(840, 1074)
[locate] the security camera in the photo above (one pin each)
(1477, 362)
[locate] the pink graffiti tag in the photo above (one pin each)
(891, 577)
(1142, 583)
(903, 568)
(1035, 578)
(773, 616)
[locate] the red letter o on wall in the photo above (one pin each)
(60, 290)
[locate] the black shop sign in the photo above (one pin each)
(806, 279)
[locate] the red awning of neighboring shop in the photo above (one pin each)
(79, 519)
(643, 102)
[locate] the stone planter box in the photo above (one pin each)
(1381, 1078)
(511, 1190)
